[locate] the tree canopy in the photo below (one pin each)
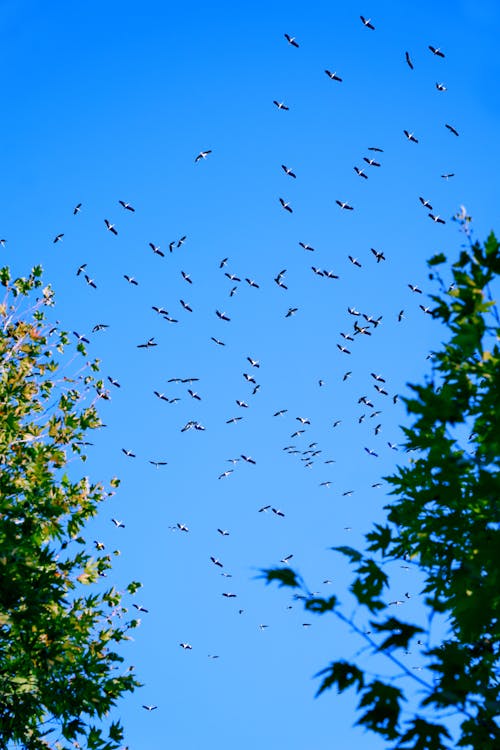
(58, 632)
(444, 518)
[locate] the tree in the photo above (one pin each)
(58, 677)
(445, 519)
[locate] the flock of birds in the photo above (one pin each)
(359, 325)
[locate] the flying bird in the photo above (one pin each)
(128, 453)
(118, 524)
(451, 129)
(77, 209)
(291, 40)
(361, 173)
(203, 155)
(408, 60)
(367, 23)
(371, 162)
(436, 51)
(354, 261)
(217, 341)
(286, 206)
(379, 255)
(58, 237)
(248, 459)
(410, 136)
(306, 246)
(344, 205)
(126, 206)
(333, 76)
(110, 227)
(288, 171)
(186, 306)
(156, 249)
(150, 708)
(291, 311)
(425, 203)
(437, 219)
(281, 105)
(440, 87)
(131, 280)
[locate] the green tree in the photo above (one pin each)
(59, 673)
(444, 519)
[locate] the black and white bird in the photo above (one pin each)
(110, 227)
(361, 173)
(118, 524)
(58, 238)
(291, 40)
(288, 171)
(281, 105)
(410, 136)
(367, 22)
(305, 246)
(128, 453)
(203, 155)
(333, 76)
(156, 249)
(286, 206)
(344, 205)
(222, 315)
(451, 129)
(436, 51)
(126, 206)
(441, 87)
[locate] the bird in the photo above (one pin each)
(128, 453)
(378, 378)
(333, 76)
(186, 277)
(379, 255)
(303, 420)
(437, 219)
(426, 309)
(223, 532)
(291, 40)
(77, 209)
(114, 382)
(367, 23)
(288, 171)
(253, 362)
(376, 148)
(343, 349)
(317, 271)
(451, 129)
(99, 327)
(354, 261)
(440, 87)
(131, 280)
(229, 594)
(415, 288)
(225, 474)
(58, 237)
(436, 51)
(242, 404)
(203, 155)
(344, 205)
(291, 311)
(232, 276)
(139, 608)
(410, 136)
(90, 282)
(149, 343)
(110, 227)
(280, 413)
(278, 512)
(156, 249)
(408, 60)
(249, 378)
(286, 560)
(330, 275)
(223, 262)
(217, 341)
(248, 459)
(222, 315)
(400, 316)
(216, 561)
(80, 337)
(286, 206)
(253, 283)
(371, 162)
(182, 527)
(118, 524)
(233, 420)
(186, 306)
(193, 394)
(186, 646)
(425, 203)
(281, 105)
(361, 173)
(150, 708)
(447, 176)
(306, 246)
(126, 206)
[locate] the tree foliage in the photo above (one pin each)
(58, 633)
(445, 519)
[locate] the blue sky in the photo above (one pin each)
(113, 101)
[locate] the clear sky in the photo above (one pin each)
(110, 101)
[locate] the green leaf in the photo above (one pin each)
(284, 576)
(342, 674)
